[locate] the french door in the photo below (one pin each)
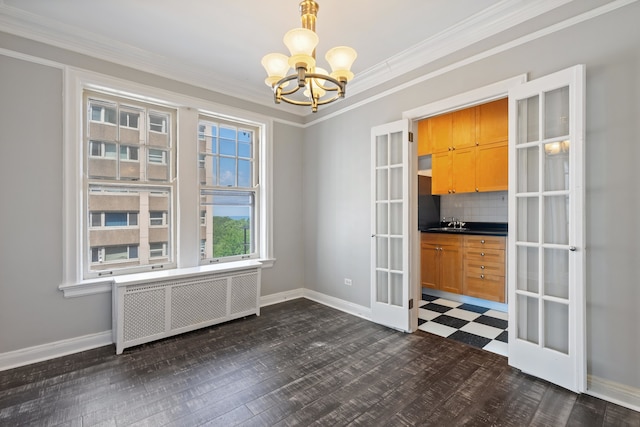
(546, 228)
(389, 225)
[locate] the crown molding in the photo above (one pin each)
(491, 21)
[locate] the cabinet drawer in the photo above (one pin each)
(441, 239)
(489, 242)
(476, 268)
(485, 255)
(491, 287)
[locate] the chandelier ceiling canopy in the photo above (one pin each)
(312, 86)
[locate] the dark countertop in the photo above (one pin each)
(479, 228)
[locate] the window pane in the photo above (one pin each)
(244, 173)
(227, 172)
(110, 151)
(158, 123)
(96, 219)
(129, 119)
(227, 141)
(133, 218)
(116, 253)
(230, 232)
(156, 156)
(133, 252)
(115, 219)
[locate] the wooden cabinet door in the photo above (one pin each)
(492, 166)
(441, 173)
(440, 132)
(429, 266)
(463, 128)
(451, 269)
(492, 122)
(463, 170)
(424, 142)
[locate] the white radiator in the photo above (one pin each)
(148, 309)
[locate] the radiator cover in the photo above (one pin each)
(149, 309)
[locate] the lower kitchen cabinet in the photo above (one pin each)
(441, 262)
(470, 265)
(484, 267)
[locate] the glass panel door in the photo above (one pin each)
(546, 250)
(390, 247)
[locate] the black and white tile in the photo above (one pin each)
(471, 324)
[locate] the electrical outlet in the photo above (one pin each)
(347, 282)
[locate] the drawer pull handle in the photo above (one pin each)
(482, 241)
(481, 253)
(482, 276)
(482, 267)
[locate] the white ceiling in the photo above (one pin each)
(219, 44)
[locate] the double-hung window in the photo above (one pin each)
(133, 154)
(129, 183)
(229, 190)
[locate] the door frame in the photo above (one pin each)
(473, 97)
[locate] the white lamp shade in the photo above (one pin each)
(317, 84)
(276, 65)
(301, 41)
(341, 59)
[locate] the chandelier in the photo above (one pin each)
(312, 86)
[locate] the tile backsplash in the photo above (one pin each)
(475, 207)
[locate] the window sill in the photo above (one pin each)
(104, 285)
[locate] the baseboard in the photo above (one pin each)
(614, 392)
(337, 303)
(280, 297)
(39, 353)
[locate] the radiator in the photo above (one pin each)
(146, 310)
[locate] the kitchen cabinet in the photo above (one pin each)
(441, 262)
(484, 267)
(469, 148)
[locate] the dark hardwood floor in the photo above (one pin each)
(299, 363)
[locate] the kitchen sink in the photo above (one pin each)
(447, 229)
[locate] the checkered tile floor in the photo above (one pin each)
(470, 324)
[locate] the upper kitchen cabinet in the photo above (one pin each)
(469, 148)
(435, 134)
(492, 123)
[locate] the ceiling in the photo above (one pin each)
(219, 44)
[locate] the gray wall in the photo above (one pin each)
(32, 309)
(337, 178)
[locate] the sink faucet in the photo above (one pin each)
(455, 223)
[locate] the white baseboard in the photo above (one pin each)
(614, 392)
(339, 304)
(39, 353)
(280, 297)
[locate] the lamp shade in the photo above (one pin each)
(276, 65)
(301, 43)
(316, 83)
(340, 59)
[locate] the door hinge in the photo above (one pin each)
(410, 303)
(410, 136)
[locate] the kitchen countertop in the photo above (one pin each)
(478, 228)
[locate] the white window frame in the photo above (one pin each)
(189, 108)
(103, 150)
(128, 149)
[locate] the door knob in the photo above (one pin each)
(572, 248)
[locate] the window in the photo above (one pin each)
(157, 250)
(102, 113)
(128, 159)
(114, 254)
(157, 218)
(158, 122)
(228, 189)
(128, 153)
(102, 149)
(157, 156)
(114, 219)
(121, 190)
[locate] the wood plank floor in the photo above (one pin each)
(299, 363)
